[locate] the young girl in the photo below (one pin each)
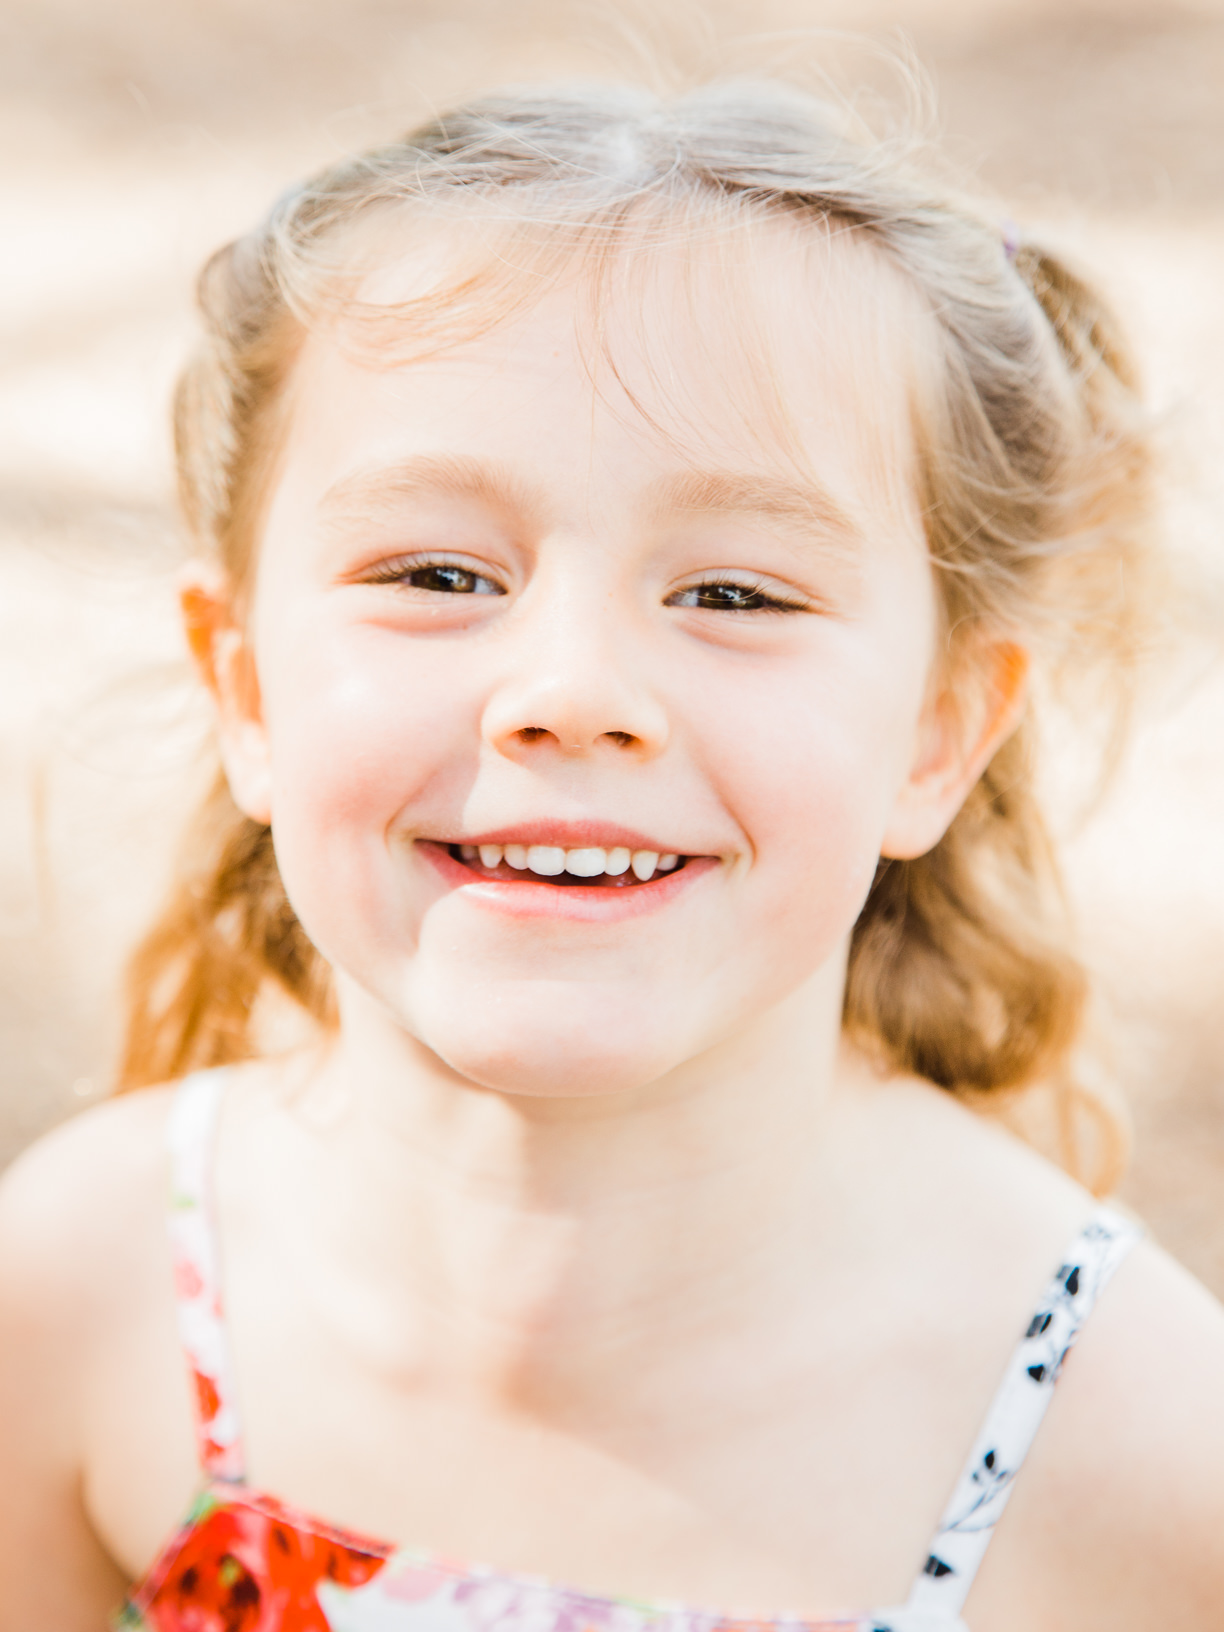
(630, 532)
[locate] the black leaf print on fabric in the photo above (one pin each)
(1069, 1283)
(981, 1491)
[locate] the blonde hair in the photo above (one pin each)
(1035, 485)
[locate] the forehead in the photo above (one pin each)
(781, 346)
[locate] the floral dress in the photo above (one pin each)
(244, 1562)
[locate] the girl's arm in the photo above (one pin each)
(69, 1269)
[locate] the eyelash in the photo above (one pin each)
(769, 602)
(400, 572)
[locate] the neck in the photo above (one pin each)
(544, 1237)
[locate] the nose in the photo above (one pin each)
(576, 684)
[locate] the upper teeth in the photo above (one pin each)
(589, 862)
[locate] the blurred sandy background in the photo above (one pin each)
(138, 134)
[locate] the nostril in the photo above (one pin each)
(536, 733)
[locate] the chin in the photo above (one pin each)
(548, 1067)
(531, 1049)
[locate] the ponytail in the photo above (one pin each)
(226, 931)
(958, 964)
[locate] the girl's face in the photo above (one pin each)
(516, 611)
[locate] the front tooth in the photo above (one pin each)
(618, 861)
(516, 856)
(546, 859)
(586, 863)
(644, 863)
(491, 855)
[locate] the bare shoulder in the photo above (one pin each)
(1123, 1491)
(82, 1258)
(82, 1246)
(1116, 1518)
(74, 1210)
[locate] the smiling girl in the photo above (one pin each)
(629, 533)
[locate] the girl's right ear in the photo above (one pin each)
(226, 665)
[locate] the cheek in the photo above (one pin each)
(344, 729)
(813, 769)
(354, 738)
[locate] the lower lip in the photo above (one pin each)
(595, 904)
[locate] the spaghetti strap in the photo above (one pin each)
(197, 1274)
(983, 1490)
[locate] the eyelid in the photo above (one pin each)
(389, 569)
(780, 597)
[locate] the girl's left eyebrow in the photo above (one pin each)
(801, 507)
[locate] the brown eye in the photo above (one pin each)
(433, 577)
(731, 597)
(447, 580)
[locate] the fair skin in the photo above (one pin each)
(587, 1247)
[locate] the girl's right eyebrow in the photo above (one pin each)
(378, 488)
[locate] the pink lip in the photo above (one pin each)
(536, 899)
(567, 836)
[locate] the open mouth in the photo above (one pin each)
(590, 866)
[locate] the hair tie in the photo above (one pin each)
(1011, 239)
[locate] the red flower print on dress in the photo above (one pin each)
(252, 1568)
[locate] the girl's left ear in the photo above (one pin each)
(227, 667)
(963, 725)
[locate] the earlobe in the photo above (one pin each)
(959, 735)
(226, 665)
